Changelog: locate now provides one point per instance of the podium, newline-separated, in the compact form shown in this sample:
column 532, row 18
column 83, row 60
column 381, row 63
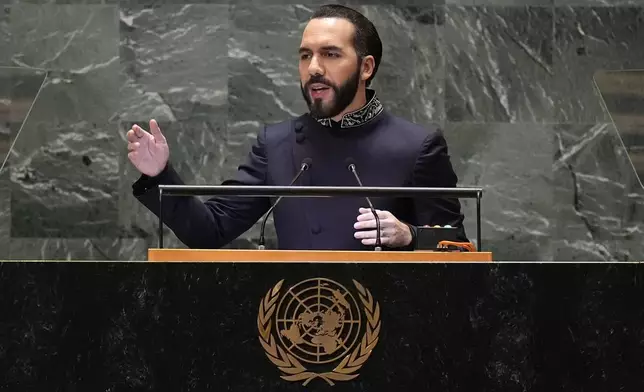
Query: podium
column 287, row 321
column 331, row 256
column 321, row 318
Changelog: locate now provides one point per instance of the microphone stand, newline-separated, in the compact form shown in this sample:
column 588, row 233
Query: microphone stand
column 352, row 169
column 306, row 164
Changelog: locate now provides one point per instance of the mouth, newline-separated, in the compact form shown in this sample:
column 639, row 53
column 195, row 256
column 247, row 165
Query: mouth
column 319, row 90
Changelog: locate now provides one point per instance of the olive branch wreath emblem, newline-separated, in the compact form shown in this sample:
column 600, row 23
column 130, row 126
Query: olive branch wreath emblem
column 291, row 368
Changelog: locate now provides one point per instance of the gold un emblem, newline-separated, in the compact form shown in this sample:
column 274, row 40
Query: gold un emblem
column 318, row 323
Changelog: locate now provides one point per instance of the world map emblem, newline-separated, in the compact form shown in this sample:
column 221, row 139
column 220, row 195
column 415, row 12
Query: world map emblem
column 318, row 328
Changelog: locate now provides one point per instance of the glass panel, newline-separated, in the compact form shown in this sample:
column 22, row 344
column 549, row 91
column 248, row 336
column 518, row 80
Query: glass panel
column 623, row 95
column 19, row 88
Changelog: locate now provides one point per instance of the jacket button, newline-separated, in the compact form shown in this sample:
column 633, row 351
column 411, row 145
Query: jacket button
column 316, row 229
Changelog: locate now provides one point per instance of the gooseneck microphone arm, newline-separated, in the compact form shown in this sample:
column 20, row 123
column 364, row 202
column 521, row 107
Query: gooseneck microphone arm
column 306, row 165
column 352, row 168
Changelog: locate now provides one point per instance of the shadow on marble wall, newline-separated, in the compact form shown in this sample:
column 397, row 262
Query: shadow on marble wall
column 510, row 82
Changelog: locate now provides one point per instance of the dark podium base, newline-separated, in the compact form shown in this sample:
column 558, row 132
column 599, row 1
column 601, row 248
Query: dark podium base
column 443, row 327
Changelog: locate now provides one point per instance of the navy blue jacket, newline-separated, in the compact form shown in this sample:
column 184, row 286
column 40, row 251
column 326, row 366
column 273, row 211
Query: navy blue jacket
column 387, row 151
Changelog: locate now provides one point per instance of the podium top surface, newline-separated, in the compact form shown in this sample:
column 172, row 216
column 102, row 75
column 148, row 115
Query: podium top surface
column 329, row 256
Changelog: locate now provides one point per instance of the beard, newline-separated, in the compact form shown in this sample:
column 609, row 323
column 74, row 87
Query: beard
column 343, row 95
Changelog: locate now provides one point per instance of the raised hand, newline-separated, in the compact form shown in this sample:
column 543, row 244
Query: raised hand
column 148, row 151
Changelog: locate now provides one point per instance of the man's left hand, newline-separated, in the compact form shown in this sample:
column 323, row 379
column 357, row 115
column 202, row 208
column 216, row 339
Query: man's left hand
column 393, row 233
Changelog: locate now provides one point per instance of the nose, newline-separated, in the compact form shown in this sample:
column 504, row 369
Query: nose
column 315, row 68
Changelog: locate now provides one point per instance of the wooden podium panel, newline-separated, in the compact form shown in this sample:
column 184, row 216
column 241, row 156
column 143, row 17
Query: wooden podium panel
column 236, row 255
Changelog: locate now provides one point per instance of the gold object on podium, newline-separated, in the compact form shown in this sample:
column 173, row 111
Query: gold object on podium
column 318, row 322
column 304, row 256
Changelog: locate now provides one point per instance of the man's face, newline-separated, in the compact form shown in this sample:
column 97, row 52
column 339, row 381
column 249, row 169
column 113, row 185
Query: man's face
column 330, row 70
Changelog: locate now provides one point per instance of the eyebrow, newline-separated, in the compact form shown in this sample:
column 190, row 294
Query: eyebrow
column 326, row 48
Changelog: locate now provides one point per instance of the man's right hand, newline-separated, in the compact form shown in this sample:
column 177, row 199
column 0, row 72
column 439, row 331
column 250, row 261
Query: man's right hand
column 148, row 152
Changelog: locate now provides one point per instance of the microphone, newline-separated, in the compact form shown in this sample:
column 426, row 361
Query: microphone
column 352, row 168
column 306, row 165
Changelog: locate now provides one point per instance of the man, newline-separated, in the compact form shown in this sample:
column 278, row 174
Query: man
column 340, row 53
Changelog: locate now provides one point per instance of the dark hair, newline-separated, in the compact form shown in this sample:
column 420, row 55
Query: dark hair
column 366, row 40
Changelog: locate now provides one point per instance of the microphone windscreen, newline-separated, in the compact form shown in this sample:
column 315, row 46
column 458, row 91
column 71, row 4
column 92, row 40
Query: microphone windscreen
column 307, row 161
column 349, row 161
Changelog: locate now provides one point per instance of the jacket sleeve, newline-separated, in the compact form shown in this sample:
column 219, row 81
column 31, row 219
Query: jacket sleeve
column 219, row 220
column 433, row 168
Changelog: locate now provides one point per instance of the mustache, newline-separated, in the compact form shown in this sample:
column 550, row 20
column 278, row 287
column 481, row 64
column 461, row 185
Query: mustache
column 318, row 79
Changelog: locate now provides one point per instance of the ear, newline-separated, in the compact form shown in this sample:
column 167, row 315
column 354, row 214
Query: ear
column 367, row 67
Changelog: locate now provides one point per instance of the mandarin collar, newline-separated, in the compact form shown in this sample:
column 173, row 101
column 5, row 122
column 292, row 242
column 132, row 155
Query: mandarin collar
column 359, row 117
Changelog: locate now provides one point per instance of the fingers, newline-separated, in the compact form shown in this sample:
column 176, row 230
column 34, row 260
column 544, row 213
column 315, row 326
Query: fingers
column 138, row 131
column 371, row 224
column 133, row 146
column 367, row 221
column 369, row 237
column 131, row 136
column 135, row 133
column 366, row 214
column 372, row 241
column 371, row 234
column 156, row 131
